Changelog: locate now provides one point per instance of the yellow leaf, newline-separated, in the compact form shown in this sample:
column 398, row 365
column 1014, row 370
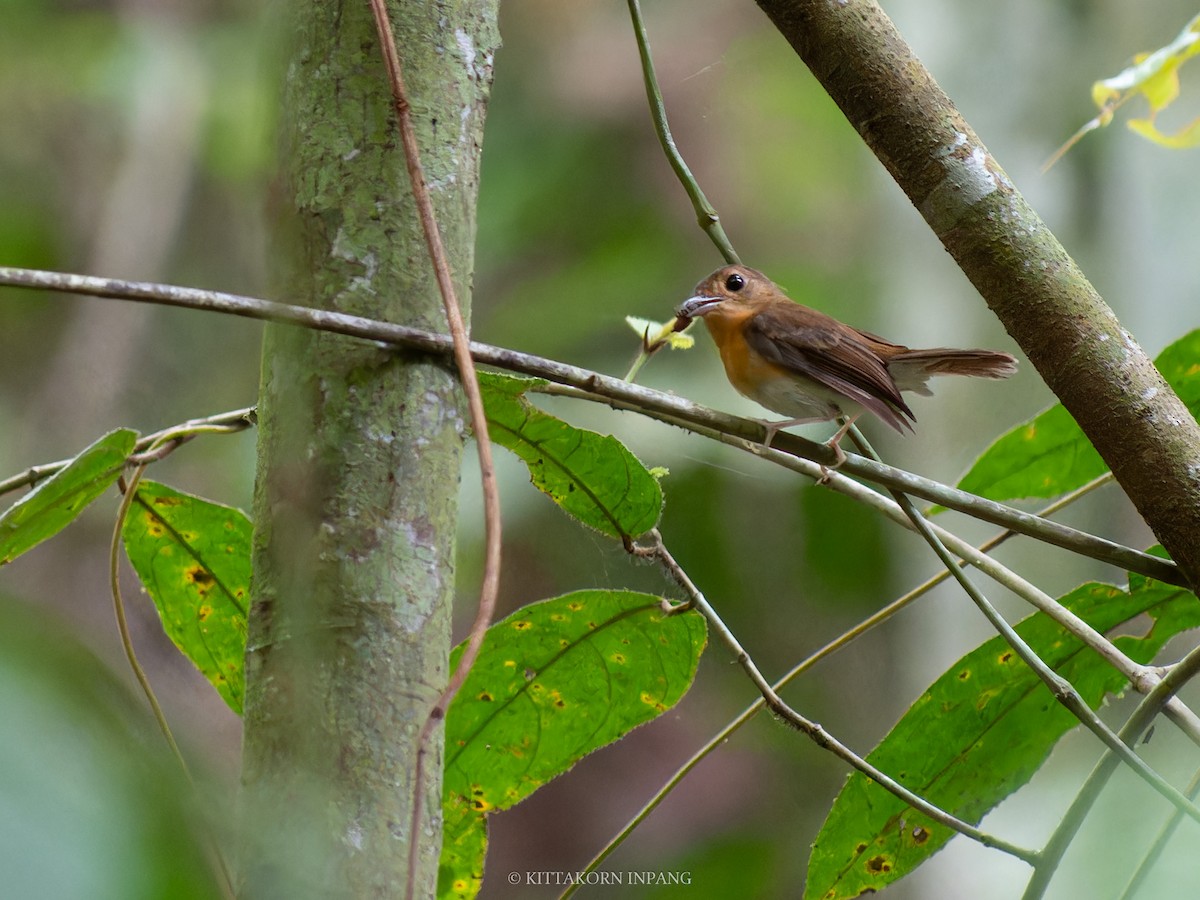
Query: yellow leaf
column 1188, row 136
column 1162, row 87
column 1154, row 76
column 654, row 333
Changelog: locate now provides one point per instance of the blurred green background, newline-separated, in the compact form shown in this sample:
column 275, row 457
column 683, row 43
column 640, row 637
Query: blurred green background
column 136, row 140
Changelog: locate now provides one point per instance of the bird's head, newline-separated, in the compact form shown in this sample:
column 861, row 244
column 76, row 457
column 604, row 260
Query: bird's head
column 731, row 291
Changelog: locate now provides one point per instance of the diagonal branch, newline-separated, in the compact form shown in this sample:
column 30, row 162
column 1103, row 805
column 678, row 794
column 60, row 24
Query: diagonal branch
column 1064, row 692
column 706, row 213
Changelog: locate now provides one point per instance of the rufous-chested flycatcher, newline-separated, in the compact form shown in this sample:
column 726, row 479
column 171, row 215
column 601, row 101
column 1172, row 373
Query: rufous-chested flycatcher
column 810, row 367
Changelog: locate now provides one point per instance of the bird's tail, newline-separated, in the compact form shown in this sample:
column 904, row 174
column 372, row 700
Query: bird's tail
column 913, row 368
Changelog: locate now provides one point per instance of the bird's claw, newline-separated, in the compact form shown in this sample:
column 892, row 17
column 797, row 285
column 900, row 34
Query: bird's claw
column 839, row 457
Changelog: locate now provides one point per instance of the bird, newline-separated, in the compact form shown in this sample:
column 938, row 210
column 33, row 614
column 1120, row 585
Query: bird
column 806, row 365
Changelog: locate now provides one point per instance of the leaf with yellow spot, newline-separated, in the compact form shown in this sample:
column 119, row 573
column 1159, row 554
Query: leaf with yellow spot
column 979, row 733
column 1049, row 455
column 542, row 696
column 193, row 556
column 55, row 503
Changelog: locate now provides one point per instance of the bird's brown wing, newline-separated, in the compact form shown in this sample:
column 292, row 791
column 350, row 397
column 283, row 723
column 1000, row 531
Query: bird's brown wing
column 832, row 354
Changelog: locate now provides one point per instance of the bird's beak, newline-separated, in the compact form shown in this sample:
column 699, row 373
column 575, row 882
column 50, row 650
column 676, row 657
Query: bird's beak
column 694, row 307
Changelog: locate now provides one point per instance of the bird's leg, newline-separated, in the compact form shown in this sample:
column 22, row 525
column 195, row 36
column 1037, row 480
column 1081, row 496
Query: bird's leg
column 774, row 427
column 835, row 444
column 771, row 429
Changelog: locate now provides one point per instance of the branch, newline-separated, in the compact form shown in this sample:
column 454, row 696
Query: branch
column 722, row 737
column 956, row 197
column 743, row 433
column 1142, row 677
column 1062, row 689
column 222, row 423
column 1104, row 379
column 615, row 392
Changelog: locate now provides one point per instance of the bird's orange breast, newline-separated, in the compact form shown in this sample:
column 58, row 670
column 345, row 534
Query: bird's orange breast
column 749, row 373
column 768, row 384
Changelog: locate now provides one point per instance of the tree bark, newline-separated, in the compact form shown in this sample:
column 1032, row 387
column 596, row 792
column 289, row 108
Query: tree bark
column 359, row 450
column 1140, row 427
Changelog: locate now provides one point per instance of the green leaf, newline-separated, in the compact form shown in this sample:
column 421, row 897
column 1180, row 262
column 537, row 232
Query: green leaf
column 1049, row 455
column 553, row 682
column 980, row 732
column 193, row 556
column 54, row 504
column 1180, row 366
column 559, row 679
column 1044, row 457
column 591, row 476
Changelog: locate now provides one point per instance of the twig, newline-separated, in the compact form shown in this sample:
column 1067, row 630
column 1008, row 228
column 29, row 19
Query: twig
column 1062, row 690
column 618, row 393
column 737, row 432
column 706, row 214
column 1142, row 677
column 222, row 423
column 114, row 580
column 129, row 492
column 466, row 367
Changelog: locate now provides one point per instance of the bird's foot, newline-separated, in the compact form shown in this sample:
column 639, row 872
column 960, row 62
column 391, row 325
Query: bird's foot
column 839, row 455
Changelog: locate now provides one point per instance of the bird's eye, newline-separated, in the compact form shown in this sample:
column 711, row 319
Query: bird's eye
column 735, row 282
